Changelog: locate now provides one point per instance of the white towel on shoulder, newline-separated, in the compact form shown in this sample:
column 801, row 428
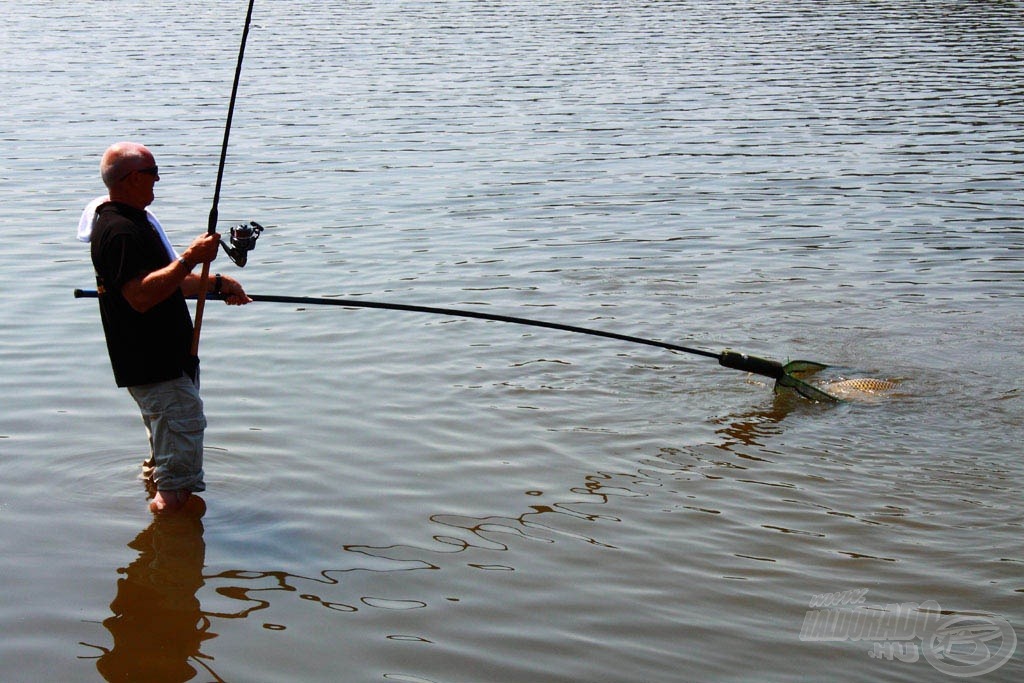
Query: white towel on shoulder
column 88, row 221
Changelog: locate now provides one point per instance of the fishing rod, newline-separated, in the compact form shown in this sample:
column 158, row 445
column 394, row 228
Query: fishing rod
column 246, row 234
column 790, row 374
column 243, row 240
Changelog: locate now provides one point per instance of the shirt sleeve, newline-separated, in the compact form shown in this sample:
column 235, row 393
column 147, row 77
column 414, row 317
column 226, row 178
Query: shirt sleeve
column 121, row 259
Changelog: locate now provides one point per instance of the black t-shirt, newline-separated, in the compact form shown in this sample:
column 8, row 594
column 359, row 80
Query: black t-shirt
column 144, row 347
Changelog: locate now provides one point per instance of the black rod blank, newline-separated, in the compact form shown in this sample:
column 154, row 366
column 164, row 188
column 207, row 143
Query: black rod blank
column 360, row 303
column 729, row 359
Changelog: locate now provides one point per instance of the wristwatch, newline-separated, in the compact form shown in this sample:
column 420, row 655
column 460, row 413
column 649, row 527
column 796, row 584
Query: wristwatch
column 184, row 261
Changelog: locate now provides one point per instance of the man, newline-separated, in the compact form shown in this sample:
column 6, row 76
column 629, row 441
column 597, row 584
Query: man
column 142, row 285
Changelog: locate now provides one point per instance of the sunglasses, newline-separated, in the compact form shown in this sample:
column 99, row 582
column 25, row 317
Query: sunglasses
column 152, row 170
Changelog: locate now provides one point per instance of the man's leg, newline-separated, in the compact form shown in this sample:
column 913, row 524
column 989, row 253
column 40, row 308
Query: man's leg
column 173, row 413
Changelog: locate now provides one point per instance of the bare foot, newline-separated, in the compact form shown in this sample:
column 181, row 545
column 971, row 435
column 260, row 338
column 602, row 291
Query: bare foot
column 168, row 501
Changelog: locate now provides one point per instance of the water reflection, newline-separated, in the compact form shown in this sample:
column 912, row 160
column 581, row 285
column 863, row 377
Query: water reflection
column 752, row 428
column 158, row 626
column 580, row 514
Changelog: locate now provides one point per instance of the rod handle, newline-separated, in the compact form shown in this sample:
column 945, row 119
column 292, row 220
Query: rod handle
column 760, row 366
column 197, row 326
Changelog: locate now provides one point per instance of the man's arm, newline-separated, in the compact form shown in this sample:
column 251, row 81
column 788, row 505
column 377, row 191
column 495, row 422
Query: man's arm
column 232, row 290
column 146, row 291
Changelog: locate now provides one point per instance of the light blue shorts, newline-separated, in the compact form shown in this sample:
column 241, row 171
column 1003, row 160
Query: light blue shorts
column 173, row 414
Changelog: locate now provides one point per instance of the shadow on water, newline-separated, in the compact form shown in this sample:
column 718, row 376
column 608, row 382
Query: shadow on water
column 158, row 626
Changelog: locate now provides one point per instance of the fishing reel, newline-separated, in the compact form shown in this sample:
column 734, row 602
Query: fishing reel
column 243, row 240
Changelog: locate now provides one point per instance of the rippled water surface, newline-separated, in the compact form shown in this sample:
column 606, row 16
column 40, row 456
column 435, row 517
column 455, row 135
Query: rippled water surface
column 406, row 497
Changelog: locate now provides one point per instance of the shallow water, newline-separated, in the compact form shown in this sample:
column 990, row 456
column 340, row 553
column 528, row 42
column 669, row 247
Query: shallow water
column 403, row 497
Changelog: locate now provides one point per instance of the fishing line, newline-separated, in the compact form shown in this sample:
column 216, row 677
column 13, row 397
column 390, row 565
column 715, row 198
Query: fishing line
column 211, row 225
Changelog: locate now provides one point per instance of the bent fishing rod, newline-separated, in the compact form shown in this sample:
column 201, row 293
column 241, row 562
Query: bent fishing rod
column 787, row 375
column 246, row 234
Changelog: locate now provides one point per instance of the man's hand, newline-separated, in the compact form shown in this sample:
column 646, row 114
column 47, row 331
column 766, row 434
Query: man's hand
column 203, row 249
column 233, row 293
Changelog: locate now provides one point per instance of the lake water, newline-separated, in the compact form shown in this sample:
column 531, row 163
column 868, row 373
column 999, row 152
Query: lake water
column 404, row 497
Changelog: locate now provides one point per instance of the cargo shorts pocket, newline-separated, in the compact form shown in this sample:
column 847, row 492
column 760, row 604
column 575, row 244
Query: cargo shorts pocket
column 187, row 447
column 187, row 425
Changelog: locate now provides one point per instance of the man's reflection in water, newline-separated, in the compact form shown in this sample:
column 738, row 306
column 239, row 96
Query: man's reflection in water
column 157, row 625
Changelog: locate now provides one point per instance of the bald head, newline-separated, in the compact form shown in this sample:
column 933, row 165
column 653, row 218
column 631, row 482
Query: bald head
column 120, row 159
column 129, row 171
